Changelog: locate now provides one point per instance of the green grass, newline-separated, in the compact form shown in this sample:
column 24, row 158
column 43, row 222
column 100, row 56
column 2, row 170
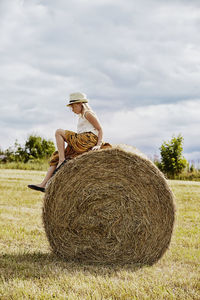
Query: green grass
column 28, row 270
column 195, row 175
column 37, row 165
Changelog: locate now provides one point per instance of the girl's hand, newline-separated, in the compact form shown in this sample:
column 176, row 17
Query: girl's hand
column 96, row 147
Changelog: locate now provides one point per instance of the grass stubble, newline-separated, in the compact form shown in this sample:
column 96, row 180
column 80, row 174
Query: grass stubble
column 28, row 270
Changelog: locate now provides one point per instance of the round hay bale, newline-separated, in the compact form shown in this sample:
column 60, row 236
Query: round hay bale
column 109, row 206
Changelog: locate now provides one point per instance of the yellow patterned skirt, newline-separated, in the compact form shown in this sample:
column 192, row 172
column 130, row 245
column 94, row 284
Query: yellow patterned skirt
column 77, row 143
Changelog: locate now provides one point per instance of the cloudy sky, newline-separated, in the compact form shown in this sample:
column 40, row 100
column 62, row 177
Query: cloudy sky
column 137, row 61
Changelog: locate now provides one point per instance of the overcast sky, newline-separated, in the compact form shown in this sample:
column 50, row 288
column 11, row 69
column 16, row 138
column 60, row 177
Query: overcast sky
column 137, row 61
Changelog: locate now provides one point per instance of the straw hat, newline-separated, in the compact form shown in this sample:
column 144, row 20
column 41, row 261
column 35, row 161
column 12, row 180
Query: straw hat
column 77, row 98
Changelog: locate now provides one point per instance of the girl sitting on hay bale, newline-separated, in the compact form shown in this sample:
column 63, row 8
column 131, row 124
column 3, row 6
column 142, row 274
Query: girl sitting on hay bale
column 89, row 136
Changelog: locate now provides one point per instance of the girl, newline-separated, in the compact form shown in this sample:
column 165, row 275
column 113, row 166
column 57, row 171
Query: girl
column 89, row 136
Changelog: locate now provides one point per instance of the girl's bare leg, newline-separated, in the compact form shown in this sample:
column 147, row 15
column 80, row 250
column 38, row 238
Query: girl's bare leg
column 47, row 177
column 60, row 142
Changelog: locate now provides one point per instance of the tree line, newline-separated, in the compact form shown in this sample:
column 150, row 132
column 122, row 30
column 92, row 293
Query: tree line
column 36, row 148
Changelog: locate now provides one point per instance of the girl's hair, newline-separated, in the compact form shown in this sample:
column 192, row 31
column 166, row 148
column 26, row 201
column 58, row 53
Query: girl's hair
column 86, row 107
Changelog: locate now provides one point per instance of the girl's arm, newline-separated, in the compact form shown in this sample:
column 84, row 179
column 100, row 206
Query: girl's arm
column 91, row 118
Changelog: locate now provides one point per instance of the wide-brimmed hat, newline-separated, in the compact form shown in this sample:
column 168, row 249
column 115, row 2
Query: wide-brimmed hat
column 77, row 98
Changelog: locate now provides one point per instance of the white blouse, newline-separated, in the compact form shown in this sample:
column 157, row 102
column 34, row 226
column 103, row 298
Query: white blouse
column 85, row 126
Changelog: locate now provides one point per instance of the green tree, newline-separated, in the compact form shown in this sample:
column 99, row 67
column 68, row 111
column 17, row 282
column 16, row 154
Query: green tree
column 47, row 147
column 172, row 161
column 14, row 153
column 35, row 148
column 38, row 148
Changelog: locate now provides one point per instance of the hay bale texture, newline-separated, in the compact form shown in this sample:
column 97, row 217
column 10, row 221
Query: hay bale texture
column 109, row 206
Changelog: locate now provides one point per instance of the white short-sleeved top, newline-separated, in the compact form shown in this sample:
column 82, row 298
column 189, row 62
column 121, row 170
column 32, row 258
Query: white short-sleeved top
column 85, row 126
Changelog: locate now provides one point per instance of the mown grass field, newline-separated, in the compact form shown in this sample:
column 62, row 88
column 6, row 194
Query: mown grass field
column 29, row 271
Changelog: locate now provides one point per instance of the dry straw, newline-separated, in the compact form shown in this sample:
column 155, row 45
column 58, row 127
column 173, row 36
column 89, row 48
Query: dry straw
column 109, row 206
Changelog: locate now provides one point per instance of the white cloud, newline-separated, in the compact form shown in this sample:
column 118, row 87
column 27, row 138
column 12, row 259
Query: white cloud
column 135, row 59
column 148, row 127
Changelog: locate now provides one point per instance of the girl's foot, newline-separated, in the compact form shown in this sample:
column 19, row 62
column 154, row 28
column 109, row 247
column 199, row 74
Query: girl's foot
column 36, row 187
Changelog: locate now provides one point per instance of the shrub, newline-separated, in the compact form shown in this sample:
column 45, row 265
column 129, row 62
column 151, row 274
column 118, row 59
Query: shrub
column 172, row 161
